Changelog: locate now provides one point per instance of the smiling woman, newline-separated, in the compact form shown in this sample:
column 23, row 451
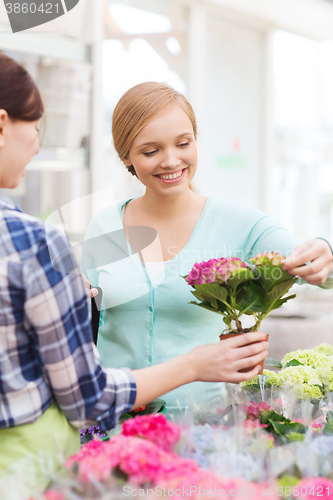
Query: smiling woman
column 154, row 131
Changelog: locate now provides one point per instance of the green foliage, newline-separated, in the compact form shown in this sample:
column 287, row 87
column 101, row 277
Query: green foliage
column 271, row 275
column 156, row 406
column 281, row 427
column 287, row 480
column 252, row 292
column 293, row 362
column 273, row 363
column 253, row 299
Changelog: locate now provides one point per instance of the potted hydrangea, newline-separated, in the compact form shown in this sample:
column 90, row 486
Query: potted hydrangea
column 233, row 288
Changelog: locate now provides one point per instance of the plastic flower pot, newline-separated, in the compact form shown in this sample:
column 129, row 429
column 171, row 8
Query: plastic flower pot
column 225, row 336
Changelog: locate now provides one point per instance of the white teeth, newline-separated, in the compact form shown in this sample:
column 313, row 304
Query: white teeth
column 171, row 176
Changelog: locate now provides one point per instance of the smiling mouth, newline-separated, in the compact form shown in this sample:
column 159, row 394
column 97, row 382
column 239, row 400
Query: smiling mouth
column 171, row 176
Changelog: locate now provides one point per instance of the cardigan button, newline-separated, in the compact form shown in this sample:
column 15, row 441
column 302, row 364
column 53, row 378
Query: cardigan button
column 150, row 359
column 151, row 309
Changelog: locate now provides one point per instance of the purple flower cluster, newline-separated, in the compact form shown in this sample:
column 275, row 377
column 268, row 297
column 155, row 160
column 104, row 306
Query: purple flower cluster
column 214, row 270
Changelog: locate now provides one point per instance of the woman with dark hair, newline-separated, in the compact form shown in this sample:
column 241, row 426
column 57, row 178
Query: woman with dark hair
column 51, row 379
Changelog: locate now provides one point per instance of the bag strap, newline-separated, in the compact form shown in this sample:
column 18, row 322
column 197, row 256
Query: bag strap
column 96, row 303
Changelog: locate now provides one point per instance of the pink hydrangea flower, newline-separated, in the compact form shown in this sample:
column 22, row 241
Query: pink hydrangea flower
column 319, row 423
column 141, row 460
column 262, row 259
column 315, row 487
column 154, row 427
column 54, row 495
column 214, row 270
column 255, row 410
column 205, row 483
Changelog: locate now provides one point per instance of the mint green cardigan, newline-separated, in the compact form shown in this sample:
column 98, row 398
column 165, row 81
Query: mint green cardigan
column 145, row 323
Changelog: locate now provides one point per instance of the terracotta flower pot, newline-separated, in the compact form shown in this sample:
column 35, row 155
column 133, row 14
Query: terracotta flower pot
column 229, row 335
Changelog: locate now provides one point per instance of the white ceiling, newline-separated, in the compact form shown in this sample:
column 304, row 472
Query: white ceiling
column 311, row 18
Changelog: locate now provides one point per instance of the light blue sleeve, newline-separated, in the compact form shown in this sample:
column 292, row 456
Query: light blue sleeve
column 264, row 234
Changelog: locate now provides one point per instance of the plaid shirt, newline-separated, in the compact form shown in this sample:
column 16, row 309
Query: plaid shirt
column 46, row 348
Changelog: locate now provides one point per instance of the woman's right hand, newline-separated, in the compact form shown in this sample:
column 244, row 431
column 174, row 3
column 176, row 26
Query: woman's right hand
column 222, row 361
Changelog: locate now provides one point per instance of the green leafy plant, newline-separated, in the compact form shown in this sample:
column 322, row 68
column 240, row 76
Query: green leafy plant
column 232, row 288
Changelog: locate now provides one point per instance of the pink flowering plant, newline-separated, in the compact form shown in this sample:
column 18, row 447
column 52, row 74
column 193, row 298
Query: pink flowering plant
column 232, row 288
column 156, row 428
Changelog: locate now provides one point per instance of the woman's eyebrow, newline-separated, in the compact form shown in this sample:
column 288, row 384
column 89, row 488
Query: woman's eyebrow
column 154, row 143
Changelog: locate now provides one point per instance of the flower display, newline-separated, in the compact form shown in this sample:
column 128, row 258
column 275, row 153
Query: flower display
column 298, row 375
column 54, row 495
column 308, row 357
column 208, row 482
column 310, row 488
column 226, row 459
column 255, row 410
column 229, row 457
column 156, row 428
column 139, row 459
column 232, row 288
column 308, row 371
column 272, row 379
column 324, row 349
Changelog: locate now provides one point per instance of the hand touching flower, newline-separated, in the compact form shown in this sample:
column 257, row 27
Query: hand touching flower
column 318, row 254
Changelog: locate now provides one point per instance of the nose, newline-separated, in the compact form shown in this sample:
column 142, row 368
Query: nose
column 171, row 159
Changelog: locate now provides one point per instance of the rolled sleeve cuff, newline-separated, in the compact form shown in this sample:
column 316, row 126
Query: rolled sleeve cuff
column 123, row 386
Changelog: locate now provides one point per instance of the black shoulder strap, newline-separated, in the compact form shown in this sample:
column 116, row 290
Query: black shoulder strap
column 96, row 303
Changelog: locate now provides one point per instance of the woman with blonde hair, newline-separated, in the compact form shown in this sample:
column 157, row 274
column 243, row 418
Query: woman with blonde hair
column 147, row 318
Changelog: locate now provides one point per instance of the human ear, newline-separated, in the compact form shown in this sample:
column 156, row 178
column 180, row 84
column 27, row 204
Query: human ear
column 3, row 123
column 127, row 161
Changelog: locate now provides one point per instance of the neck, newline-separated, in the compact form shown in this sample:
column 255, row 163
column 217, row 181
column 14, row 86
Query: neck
column 167, row 207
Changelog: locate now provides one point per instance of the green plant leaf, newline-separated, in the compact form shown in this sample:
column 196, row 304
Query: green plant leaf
column 275, row 363
column 227, row 321
column 268, row 416
column 270, row 276
column 279, row 302
column 253, row 299
column 210, row 292
column 284, row 428
column 198, row 295
column 293, row 362
column 206, row 305
column 241, row 277
column 278, row 291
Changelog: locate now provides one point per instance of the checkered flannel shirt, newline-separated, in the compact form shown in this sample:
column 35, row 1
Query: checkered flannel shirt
column 46, row 348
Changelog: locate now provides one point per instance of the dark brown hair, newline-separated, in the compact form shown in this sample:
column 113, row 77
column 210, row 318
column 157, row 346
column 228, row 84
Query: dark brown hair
column 19, row 95
column 137, row 107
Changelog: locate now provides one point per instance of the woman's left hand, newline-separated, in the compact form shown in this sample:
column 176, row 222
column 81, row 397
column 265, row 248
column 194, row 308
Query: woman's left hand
column 92, row 291
column 318, row 253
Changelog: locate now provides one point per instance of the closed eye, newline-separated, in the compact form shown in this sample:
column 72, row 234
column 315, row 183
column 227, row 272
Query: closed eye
column 150, row 153
column 183, row 144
